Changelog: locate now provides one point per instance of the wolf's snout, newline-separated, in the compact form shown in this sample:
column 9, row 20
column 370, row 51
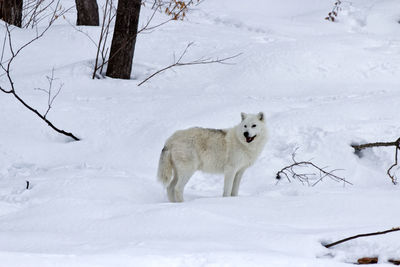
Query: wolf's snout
column 249, row 138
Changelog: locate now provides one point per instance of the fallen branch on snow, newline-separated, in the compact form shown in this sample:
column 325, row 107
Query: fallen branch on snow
column 394, row 229
column 304, row 178
column 396, row 144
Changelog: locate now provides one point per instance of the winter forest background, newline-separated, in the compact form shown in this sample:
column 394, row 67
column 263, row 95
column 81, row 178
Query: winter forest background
column 90, row 90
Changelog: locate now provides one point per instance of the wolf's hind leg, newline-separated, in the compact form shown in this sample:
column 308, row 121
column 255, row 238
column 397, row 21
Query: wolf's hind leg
column 171, row 188
column 184, row 177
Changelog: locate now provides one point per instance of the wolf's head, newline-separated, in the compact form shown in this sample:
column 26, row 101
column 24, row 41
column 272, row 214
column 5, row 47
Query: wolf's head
column 252, row 128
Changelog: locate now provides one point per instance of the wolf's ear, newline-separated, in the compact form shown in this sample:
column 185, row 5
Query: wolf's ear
column 260, row 116
column 244, row 115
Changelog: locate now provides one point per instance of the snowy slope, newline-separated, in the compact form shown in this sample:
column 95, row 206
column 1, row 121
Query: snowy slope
column 97, row 202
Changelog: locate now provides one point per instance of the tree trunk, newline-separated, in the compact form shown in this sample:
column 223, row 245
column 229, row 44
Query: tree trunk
column 11, row 11
column 88, row 13
column 124, row 39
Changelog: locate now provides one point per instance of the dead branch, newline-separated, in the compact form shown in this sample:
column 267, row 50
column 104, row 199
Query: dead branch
column 392, row 176
column 290, row 172
column 394, row 229
column 200, row 61
column 146, row 26
column 396, row 144
column 78, row 29
column 40, row 115
column 6, row 67
column 50, row 95
column 367, row 145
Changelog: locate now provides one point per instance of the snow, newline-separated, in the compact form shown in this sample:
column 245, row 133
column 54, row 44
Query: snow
column 97, row 202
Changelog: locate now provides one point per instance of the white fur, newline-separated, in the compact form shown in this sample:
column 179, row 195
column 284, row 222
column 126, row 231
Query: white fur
column 213, row 151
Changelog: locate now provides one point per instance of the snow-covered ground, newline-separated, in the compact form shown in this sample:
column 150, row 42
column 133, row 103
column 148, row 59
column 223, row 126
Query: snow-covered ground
column 97, row 202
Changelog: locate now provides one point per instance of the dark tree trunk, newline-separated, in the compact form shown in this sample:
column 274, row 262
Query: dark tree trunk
column 88, row 12
column 124, row 39
column 11, row 11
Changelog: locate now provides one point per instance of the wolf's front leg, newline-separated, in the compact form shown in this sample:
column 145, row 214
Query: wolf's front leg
column 236, row 182
column 228, row 182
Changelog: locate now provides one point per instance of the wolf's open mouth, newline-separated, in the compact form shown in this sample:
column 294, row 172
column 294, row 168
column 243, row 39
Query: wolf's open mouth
column 250, row 139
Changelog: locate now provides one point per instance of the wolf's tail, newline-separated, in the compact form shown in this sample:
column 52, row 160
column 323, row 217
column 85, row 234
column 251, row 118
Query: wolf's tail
column 165, row 166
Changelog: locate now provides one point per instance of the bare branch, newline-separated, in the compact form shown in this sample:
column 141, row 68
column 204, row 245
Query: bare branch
column 7, row 71
column 81, row 31
column 290, row 172
column 392, row 176
column 50, row 96
column 146, row 26
column 104, row 50
column 394, row 229
column 367, row 145
column 201, row 61
column 44, row 118
column 396, row 144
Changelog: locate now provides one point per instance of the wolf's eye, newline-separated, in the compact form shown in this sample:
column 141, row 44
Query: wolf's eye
column 253, row 126
column 245, row 126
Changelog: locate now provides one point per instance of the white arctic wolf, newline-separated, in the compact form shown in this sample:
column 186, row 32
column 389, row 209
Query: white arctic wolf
column 229, row 151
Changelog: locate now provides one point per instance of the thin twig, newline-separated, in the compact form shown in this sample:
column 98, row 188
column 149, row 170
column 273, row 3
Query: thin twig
column 50, row 96
column 81, row 31
column 102, row 32
column 201, row 61
column 33, row 10
column 104, row 49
